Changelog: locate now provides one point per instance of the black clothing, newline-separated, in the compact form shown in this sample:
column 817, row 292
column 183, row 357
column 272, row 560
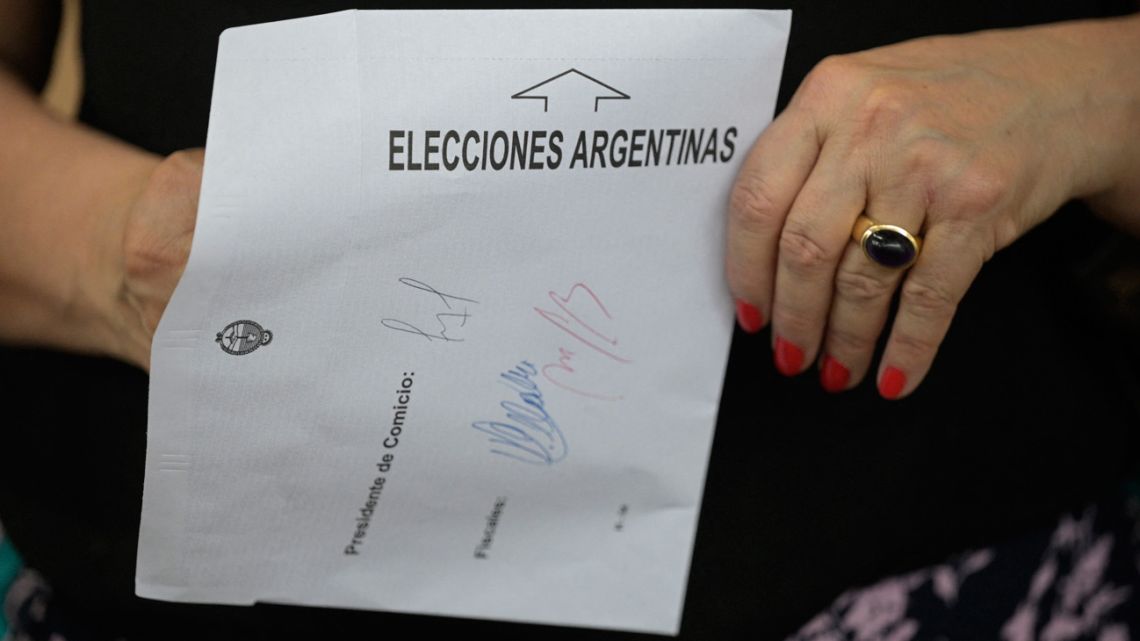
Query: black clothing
column 1025, row 413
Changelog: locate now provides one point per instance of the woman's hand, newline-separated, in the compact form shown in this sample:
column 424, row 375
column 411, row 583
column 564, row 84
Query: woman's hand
column 967, row 141
column 94, row 232
column 156, row 243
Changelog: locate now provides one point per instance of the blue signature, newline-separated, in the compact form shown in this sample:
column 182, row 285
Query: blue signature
column 528, row 434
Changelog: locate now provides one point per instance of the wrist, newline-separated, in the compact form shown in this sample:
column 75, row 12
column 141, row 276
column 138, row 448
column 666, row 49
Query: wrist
column 1119, row 199
column 1103, row 81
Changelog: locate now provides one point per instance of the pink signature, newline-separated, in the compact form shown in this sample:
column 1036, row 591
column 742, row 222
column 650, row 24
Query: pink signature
column 562, row 372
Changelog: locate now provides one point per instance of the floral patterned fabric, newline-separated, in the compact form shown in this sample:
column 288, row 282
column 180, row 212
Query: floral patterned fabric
column 1078, row 581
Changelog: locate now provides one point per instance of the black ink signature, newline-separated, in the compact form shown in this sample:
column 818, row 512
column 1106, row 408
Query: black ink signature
column 448, row 320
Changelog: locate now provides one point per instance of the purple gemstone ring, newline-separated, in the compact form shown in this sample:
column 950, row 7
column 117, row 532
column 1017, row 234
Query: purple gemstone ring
column 888, row 245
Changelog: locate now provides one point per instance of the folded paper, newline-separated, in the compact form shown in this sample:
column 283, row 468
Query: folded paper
column 453, row 330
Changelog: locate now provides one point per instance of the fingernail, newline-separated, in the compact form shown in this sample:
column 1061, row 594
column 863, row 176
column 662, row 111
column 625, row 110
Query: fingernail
column 892, row 382
column 789, row 357
column 833, row 376
column 750, row 318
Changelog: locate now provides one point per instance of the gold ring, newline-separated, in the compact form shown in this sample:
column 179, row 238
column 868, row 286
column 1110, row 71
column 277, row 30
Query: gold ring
column 888, row 245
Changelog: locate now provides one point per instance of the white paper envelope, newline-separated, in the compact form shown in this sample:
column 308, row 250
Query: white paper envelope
column 453, row 330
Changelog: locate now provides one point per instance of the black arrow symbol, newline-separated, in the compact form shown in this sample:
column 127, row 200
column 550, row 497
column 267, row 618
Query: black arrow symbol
column 525, row 94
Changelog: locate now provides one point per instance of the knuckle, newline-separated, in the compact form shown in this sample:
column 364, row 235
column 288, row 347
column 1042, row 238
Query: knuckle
column 914, row 344
column 753, row 205
column 843, row 341
column 167, row 173
column 927, row 155
column 886, row 109
column 801, row 252
column 176, row 173
column 861, row 288
column 927, row 300
column 829, row 77
column 795, row 321
column 180, row 162
column 182, row 156
column 980, row 190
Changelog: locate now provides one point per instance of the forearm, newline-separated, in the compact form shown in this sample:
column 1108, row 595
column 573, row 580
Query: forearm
column 1111, row 117
column 64, row 195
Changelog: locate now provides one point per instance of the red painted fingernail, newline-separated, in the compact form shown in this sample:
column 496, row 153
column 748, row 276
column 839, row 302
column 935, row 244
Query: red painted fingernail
column 750, row 318
column 892, row 382
column 833, row 376
column 789, row 357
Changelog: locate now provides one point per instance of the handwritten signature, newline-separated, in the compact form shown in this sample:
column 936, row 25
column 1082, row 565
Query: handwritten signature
column 528, row 433
column 447, row 321
column 574, row 323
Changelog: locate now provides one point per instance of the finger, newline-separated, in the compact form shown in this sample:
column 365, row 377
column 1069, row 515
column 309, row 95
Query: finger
column 813, row 239
column 931, row 291
column 863, row 291
column 765, row 189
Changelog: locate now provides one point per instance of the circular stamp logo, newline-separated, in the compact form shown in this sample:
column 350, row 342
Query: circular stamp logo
column 242, row 337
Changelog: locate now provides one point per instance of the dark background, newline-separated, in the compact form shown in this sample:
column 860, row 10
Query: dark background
column 1031, row 408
